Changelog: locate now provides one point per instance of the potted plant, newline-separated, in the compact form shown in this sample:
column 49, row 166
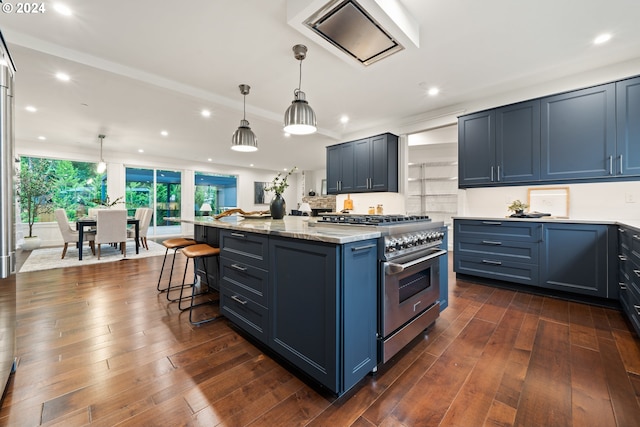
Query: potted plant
column 32, row 190
column 517, row 207
column 278, row 206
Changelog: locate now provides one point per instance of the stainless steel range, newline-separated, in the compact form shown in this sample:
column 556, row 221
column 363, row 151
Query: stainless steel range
column 409, row 275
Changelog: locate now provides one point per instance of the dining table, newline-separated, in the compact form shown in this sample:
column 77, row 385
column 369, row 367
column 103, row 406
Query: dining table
column 88, row 221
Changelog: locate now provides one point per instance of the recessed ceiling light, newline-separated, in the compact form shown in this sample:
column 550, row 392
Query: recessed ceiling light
column 140, row 150
column 602, row 38
column 251, row 164
column 205, row 113
column 42, row 138
column 31, row 108
column 344, row 119
column 62, row 9
column 209, row 159
column 164, row 133
column 63, row 76
column 433, row 91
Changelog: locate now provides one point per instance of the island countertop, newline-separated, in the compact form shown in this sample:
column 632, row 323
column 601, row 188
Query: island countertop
column 295, row 227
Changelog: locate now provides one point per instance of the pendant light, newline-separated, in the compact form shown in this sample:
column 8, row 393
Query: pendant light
column 299, row 119
column 243, row 138
column 102, row 166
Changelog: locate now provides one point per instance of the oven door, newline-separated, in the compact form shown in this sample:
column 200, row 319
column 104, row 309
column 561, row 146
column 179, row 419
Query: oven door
column 408, row 287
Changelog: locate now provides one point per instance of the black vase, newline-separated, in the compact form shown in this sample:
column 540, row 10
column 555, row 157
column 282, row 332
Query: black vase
column 278, row 207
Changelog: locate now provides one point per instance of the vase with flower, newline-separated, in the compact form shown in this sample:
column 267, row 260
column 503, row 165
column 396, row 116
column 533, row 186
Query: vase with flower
column 278, row 206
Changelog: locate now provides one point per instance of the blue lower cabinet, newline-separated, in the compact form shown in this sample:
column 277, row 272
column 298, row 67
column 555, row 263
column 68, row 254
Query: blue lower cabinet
column 322, row 311
column 579, row 258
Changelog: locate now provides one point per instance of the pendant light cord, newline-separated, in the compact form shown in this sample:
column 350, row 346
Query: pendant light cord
column 299, row 80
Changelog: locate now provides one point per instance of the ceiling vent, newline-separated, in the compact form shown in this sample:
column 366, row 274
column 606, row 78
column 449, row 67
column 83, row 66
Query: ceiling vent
column 365, row 30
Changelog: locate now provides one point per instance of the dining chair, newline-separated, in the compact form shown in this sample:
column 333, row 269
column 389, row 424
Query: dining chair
column 111, row 227
column 69, row 235
column 144, row 216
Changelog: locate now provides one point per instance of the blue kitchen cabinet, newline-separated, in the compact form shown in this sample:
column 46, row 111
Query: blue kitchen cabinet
column 579, row 134
column 340, row 171
column 502, row 250
column 629, row 274
column 370, row 163
column 476, row 149
column 627, row 161
column 579, row 258
column 323, row 308
column 500, row 145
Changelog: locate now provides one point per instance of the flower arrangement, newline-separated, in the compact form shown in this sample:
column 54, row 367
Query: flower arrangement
column 107, row 202
column 279, row 183
column 517, row 206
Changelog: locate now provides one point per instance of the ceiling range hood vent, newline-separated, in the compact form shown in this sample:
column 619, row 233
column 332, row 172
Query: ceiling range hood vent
column 365, row 30
column 351, row 29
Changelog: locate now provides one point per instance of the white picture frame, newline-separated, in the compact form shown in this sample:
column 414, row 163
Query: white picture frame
column 550, row 200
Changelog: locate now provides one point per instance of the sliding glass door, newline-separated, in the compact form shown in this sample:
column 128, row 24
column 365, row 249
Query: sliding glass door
column 160, row 190
column 214, row 193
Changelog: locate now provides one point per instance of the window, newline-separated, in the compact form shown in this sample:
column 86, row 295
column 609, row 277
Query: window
column 219, row 191
column 72, row 186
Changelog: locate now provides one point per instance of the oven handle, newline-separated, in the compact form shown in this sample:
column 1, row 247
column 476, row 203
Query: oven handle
column 393, row 268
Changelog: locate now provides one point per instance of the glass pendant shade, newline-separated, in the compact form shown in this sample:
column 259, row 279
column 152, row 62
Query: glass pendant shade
column 300, row 119
column 102, row 166
column 243, row 138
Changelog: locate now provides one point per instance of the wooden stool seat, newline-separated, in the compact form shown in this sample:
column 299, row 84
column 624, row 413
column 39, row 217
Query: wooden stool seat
column 200, row 250
column 178, row 242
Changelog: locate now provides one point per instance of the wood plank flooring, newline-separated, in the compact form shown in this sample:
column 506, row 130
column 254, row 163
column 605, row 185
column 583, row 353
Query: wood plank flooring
column 97, row 345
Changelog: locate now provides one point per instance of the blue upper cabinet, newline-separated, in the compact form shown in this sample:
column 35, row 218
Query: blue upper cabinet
column 579, row 134
column 476, row 149
column 500, row 145
column 370, row 163
column 627, row 162
column 518, row 142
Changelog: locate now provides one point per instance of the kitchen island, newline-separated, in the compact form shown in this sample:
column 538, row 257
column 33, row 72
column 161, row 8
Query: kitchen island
column 308, row 293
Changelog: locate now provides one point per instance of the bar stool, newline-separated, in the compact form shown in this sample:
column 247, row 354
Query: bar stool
column 195, row 252
column 175, row 244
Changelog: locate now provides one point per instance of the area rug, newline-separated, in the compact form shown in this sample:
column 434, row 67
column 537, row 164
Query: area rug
column 48, row 258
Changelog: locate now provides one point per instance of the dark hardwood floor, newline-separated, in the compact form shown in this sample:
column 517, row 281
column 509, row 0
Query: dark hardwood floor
column 98, row 345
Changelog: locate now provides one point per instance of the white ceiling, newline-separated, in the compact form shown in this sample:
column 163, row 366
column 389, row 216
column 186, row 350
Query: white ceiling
column 138, row 67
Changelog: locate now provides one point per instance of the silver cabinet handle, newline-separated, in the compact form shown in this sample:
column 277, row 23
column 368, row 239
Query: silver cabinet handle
column 622, row 257
column 623, row 286
column 498, row 176
column 492, row 222
column 635, row 236
column 238, row 267
column 491, row 262
column 237, row 234
column 489, row 242
column 621, row 169
column 637, row 307
column 238, row 300
column 610, row 165
column 362, row 248
column 637, row 272
column 491, row 173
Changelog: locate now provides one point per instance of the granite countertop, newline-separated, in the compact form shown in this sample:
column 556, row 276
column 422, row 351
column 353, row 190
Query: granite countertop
column 290, row 226
column 628, row 223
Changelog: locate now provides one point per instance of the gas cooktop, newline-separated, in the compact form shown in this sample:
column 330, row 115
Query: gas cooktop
column 372, row 219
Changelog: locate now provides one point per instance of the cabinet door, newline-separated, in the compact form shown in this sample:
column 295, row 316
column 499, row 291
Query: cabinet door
column 518, row 142
column 340, row 170
column 303, row 312
column 384, row 163
column 362, row 164
column 578, row 134
column 476, row 149
column 627, row 162
column 576, row 258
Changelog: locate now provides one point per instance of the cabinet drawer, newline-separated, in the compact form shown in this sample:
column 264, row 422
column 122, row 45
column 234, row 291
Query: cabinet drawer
column 494, row 268
column 245, row 279
column 505, row 230
column 631, row 306
column 247, row 314
column 506, row 250
column 249, row 248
